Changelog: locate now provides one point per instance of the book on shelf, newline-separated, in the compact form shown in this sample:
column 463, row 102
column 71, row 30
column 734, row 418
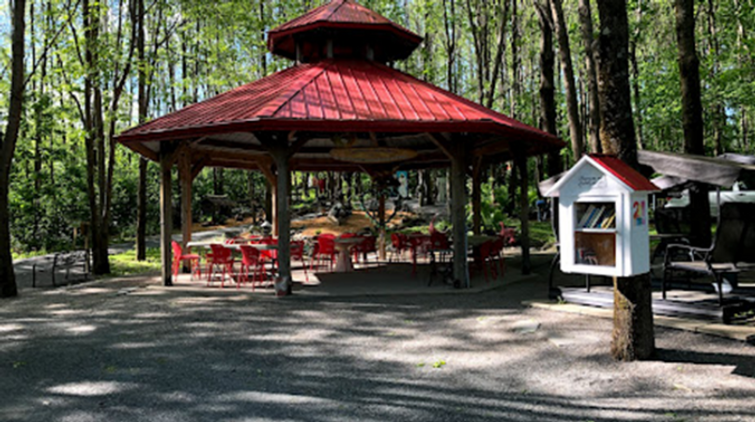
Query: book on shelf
column 587, row 256
column 608, row 223
column 593, row 223
column 586, row 216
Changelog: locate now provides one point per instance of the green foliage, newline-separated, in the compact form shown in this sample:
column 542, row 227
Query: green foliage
column 205, row 48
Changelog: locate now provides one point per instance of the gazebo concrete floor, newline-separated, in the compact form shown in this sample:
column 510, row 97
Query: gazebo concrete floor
column 374, row 279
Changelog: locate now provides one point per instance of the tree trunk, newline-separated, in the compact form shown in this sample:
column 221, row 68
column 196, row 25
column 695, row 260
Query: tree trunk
column 588, row 38
column 715, row 51
column 141, row 194
column 8, row 148
column 520, row 163
column 633, row 336
column 547, row 90
column 514, row 59
column 564, row 52
column 692, row 114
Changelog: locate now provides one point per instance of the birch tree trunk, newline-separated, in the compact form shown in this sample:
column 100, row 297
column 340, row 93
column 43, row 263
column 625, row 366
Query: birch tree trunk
column 564, row 52
column 588, row 38
column 547, row 90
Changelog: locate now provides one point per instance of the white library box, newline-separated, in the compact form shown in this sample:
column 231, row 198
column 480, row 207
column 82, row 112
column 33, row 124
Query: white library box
column 603, row 218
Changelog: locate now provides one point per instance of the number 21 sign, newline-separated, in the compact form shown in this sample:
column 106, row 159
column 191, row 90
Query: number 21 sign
column 639, row 213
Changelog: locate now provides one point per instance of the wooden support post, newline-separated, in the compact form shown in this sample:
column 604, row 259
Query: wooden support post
column 166, row 218
column 282, row 217
column 267, row 169
column 458, row 215
column 477, row 171
column 520, row 160
column 381, row 221
column 275, row 208
column 281, row 151
column 184, row 174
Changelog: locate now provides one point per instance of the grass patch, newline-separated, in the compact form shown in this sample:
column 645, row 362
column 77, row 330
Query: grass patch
column 30, row 254
column 125, row 263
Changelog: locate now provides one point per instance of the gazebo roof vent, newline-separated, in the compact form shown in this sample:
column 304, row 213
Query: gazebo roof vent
column 342, row 29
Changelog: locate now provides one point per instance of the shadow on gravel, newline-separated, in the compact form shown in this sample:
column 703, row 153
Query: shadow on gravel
column 743, row 365
column 106, row 355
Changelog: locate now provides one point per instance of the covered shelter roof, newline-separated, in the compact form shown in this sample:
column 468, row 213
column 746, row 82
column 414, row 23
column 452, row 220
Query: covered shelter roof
column 720, row 171
column 359, row 99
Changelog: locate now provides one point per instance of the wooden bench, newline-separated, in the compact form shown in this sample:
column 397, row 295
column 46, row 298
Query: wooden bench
column 732, row 251
column 65, row 262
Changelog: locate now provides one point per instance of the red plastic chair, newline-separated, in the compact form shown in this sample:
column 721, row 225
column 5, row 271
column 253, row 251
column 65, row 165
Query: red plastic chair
column 484, row 259
column 368, row 246
column 325, row 247
column 179, row 257
column 418, row 245
column 439, row 244
column 508, row 235
column 439, row 240
column 269, row 254
column 221, row 257
column 297, row 252
column 400, row 244
column 251, row 260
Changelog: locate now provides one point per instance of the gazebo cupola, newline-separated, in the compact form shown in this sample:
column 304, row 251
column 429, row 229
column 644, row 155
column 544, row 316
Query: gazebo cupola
column 342, row 29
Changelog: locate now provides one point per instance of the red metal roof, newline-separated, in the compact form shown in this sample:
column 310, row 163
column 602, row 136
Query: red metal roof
column 623, row 172
column 336, row 96
column 393, row 40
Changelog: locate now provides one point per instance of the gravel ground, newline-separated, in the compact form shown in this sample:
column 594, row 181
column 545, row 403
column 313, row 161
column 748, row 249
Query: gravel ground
column 127, row 350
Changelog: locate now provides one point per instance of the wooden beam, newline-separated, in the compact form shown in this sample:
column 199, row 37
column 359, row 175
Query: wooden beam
column 218, row 152
column 443, row 144
column 296, row 145
column 491, row 147
column 166, row 218
column 266, row 168
column 198, row 166
column 143, row 150
column 198, row 141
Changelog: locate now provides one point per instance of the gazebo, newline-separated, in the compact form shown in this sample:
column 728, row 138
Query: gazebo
column 340, row 107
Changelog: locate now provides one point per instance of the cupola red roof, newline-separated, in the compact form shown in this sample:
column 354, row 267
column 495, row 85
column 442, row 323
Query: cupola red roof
column 342, row 28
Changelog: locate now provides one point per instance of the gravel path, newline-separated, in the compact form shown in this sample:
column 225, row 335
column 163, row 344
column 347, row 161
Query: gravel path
column 129, row 350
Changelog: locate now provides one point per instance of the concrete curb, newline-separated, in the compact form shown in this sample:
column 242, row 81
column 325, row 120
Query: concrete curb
column 734, row 332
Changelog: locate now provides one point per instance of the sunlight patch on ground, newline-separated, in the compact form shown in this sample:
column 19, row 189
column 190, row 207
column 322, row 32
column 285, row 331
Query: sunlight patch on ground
column 7, row 328
column 268, row 398
column 82, row 329
column 91, row 388
column 132, row 345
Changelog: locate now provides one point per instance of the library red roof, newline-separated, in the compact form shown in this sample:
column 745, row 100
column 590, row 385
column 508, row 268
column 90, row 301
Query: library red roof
column 631, row 177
